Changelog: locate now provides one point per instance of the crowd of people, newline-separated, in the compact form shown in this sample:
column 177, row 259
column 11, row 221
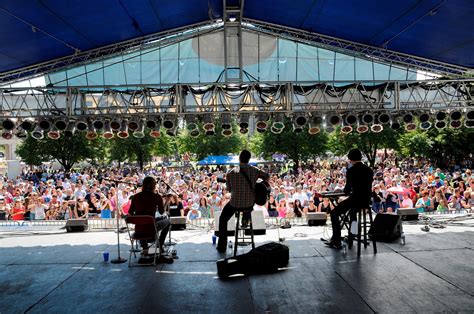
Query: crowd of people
column 196, row 193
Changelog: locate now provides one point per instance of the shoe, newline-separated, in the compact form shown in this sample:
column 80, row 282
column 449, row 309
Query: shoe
column 145, row 260
column 334, row 245
column 165, row 260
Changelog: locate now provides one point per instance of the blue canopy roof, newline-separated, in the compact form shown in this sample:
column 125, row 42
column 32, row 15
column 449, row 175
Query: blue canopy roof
column 224, row 160
column 33, row 32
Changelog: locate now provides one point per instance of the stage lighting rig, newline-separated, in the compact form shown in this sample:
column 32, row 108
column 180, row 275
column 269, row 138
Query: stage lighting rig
column 27, row 124
column 123, row 131
column 278, row 122
column 208, row 123
column 70, row 130
column 262, row 121
column 300, row 120
column 37, row 133
column 54, row 133
column 9, row 124
column 140, row 131
column 170, row 121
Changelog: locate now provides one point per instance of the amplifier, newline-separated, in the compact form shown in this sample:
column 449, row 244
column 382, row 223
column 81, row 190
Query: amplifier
column 316, row 219
column 178, row 223
column 258, row 223
column 76, row 225
column 408, row 213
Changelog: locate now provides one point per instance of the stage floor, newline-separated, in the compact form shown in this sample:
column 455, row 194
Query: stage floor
column 55, row 272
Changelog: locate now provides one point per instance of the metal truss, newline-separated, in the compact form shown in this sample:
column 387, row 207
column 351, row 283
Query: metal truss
column 352, row 48
column 155, row 40
column 183, row 99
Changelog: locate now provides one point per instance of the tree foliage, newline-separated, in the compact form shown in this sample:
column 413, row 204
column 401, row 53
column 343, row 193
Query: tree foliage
column 297, row 146
column 368, row 143
column 67, row 151
column 217, row 144
column 132, row 149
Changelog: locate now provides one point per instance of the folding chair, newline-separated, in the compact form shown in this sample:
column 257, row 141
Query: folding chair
column 145, row 229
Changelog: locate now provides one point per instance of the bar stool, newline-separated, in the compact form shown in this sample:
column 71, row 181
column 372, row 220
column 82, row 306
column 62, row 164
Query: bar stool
column 362, row 231
column 242, row 239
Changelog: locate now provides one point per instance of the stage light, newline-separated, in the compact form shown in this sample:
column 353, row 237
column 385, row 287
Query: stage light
column 278, row 122
column 227, row 132
column 208, row 123
column 346, row 127
column 361, row 126
column 98, row 124
column 314, row 129
column 54, row 133
column 133, row 124
column 408, row 118
column 441, row 124
column 261, row 130
column 334, row 120
column 155, row 133
column 244, row 120
column 243, row 130
column 173, row 131
column 376, row 128
column 7, row 134
column 27, row 124
column 169, row 121
column 470, row 114
column 108, row 133
column 410, row 126
column 9, row 124
column 44, row 124
column 191, row 122
column 140, row 131
column 123, row 131
column 70, row 130
column 469, row 124
column 456, row 115
column 441, row 115
column 275, row 130
column 151, row 122
column 297, row 129
column 37, row 133
column 226, row 122
column 91, row 132
column 395, row 124
column 81, row 125
column 21, row 133
column 368, row 118
column 424, row 117
column 330, row 129
column 115, row 125
column 300, row 120
column 60, row 124
column 350, row 119
column 195, row 133
column 455, row 124
column 384, row 118
column 262, row 121
column 210, row 132
column 426, row 125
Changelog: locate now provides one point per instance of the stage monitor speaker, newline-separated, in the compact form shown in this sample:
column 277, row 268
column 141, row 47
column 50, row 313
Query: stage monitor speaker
column 178, row 223
column 386, row 227
column 258, row 223
column 230, row 224
column 408, row 213
column 76, row 225
column 316, row 219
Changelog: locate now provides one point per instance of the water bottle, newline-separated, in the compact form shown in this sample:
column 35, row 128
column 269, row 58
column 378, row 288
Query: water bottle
column 344, row 248
column 402, row 239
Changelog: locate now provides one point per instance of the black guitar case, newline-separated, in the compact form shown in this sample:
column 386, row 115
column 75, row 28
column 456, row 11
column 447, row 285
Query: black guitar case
column 264, row 259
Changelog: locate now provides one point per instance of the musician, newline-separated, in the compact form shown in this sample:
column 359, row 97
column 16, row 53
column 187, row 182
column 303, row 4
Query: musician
column 147, row 202
column 242, row 194
column 358, row 186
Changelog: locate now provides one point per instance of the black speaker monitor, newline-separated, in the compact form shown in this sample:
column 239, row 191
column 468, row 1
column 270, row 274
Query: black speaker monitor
column 76, row 225
column 386, row 227
column 316, row 219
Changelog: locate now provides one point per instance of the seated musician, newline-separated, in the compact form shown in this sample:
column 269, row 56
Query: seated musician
column 358, row 186
column 147, row 202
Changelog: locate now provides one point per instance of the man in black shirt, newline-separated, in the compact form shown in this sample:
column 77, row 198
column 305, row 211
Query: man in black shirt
column 358, row 186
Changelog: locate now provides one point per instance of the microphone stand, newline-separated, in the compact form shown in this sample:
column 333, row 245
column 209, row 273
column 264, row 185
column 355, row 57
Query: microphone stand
column 119, row 259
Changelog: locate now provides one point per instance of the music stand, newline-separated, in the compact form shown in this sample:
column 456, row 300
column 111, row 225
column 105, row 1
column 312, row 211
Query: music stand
column 119, row 259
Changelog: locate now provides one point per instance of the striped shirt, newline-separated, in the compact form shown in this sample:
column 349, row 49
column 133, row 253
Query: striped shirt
column 242, row 195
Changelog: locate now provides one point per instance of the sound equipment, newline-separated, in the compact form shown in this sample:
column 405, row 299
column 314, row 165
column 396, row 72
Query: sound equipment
column 316, row 219
column 76, row 225
column 386, row 227
column 178, row 223
column 258, row 223
column 230, row 224
column 263, row 259
column 408, row 213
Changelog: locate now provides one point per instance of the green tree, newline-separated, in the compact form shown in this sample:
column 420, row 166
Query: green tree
column 297, row 146
column 204, row 145
column 418, row 143
column 132, row 149
column 368, row 143
column 67, row 151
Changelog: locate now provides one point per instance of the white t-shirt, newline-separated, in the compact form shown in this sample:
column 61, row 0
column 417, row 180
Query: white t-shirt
column 39, row 212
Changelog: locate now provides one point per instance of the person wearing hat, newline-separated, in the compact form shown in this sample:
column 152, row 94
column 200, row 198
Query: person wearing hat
column 358, row 186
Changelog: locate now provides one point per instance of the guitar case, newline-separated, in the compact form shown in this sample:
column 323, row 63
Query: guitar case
column 264, row 259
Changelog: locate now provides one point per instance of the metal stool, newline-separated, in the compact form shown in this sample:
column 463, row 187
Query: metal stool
column 243, row 239
column 362, row 233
